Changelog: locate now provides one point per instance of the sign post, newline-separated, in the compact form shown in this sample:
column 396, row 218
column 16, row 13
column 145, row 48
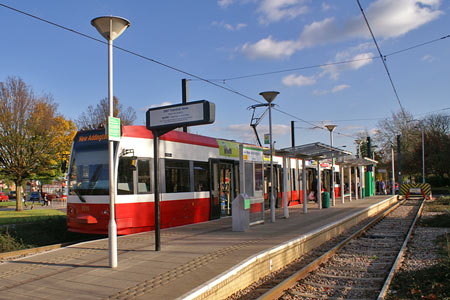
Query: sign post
column 161, row 120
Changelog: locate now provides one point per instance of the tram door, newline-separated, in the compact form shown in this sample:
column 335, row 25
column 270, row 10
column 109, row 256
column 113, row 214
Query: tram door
column 224, row 187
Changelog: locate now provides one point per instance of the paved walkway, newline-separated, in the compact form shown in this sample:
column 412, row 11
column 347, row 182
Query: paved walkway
column 191, row 255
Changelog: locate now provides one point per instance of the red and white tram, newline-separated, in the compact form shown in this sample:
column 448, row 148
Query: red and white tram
column 199, row 177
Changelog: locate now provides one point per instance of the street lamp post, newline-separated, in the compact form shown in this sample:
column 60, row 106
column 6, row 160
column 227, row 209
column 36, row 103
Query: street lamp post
column 423, row 158
column 423, row 149
column 110, row 28
column 269, row 97
column 330, row 129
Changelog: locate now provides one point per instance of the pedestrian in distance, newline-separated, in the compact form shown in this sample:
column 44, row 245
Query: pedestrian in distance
column 314, row 188
column 383, row 188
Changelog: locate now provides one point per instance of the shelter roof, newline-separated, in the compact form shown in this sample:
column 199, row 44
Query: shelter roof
column 313, row 151
column 356, row 161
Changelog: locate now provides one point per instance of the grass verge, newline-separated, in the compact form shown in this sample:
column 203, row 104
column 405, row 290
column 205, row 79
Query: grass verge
column 27, row 216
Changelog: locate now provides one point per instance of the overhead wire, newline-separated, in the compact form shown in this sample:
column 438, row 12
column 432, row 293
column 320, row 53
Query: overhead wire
column 151, row 60
column 229, row 88
column 383, row 59
column 223, row 80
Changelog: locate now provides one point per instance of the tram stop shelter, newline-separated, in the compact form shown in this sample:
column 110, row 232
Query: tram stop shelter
column 367, row 184
column 313, row 151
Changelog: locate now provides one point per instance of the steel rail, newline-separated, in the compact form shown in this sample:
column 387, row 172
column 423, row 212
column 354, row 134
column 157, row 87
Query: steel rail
column 278, row 290
column 396, row 264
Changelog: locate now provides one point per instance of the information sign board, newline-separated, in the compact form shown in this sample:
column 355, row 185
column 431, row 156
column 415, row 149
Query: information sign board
column 178, row 115
column 113, row 129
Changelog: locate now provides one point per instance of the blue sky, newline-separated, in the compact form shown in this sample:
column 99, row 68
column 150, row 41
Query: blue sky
column 224, row 39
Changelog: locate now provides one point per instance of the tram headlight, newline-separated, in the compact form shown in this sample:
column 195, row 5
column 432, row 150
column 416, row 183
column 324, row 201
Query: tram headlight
column 71, row 210
column 105, row 212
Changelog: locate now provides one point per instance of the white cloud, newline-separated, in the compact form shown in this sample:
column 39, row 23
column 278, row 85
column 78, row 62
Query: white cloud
column 320, row 92
column 358, row 60
column 388, row 19
column 339, row 88
column 325, row 6
column 335, row 89
column 225, row 3
column 270, row 48
column 428, row 58
column 229, row 27
column 394, row 18
column 161, row 104
column 245, row 133
column 300, row 80
column 277, row 10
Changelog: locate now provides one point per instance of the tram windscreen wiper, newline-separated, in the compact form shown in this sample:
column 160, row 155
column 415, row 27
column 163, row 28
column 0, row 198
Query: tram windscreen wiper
column 79, row 195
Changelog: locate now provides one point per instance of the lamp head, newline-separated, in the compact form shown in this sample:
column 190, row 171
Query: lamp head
column 110, row 27
column 269, row 96
column 330, row 127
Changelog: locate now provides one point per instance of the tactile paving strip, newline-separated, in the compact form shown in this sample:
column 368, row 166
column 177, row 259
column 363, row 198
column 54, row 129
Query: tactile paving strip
column 165, row 278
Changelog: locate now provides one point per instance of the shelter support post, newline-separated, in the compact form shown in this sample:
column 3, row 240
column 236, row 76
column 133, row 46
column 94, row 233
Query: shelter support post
column 342, row 189
column 319, row 186
column 356, row 183
column 350, row 182
column 285, row 200
column 305, row 197
column 362, row 182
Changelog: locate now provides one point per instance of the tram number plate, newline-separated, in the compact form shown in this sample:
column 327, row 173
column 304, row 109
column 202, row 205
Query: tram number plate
column 415, row 190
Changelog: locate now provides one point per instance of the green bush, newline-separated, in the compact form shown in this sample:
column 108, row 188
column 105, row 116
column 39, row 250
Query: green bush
column 438, row 181
column 9, row 243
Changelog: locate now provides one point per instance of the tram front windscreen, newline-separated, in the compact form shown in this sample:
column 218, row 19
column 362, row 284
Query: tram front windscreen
column 89, row 164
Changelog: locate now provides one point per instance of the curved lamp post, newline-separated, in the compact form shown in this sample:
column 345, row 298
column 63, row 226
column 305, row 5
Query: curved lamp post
column 330, row 129
column 269, row 97
column 111, row 28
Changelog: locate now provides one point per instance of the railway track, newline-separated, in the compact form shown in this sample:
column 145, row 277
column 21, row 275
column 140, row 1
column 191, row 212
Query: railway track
column 360, row 267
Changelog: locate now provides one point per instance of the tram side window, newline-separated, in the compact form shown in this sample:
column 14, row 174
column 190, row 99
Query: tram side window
column 201, row 176
column 177, row 176
column 143, row 168
column 125, row 177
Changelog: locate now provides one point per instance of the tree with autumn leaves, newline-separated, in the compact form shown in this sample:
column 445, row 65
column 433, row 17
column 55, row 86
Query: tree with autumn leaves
column 34, row 138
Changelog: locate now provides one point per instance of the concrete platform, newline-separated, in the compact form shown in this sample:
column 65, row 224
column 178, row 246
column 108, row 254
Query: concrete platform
column 191, row 256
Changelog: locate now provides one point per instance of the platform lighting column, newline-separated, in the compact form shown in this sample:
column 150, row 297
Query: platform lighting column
column 393, row 173
column 305, row 196
column 330, row 129
column 356, row 182
column 269, row 96
column 110, row 28
column 423, row 156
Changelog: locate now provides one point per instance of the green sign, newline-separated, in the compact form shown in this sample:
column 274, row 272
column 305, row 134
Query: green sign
column 113, row 129
column 266, row 138
column 228, row 149
column 247, row 204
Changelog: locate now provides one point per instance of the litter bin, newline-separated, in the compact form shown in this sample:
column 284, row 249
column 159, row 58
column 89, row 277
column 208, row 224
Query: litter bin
column 325, row 200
